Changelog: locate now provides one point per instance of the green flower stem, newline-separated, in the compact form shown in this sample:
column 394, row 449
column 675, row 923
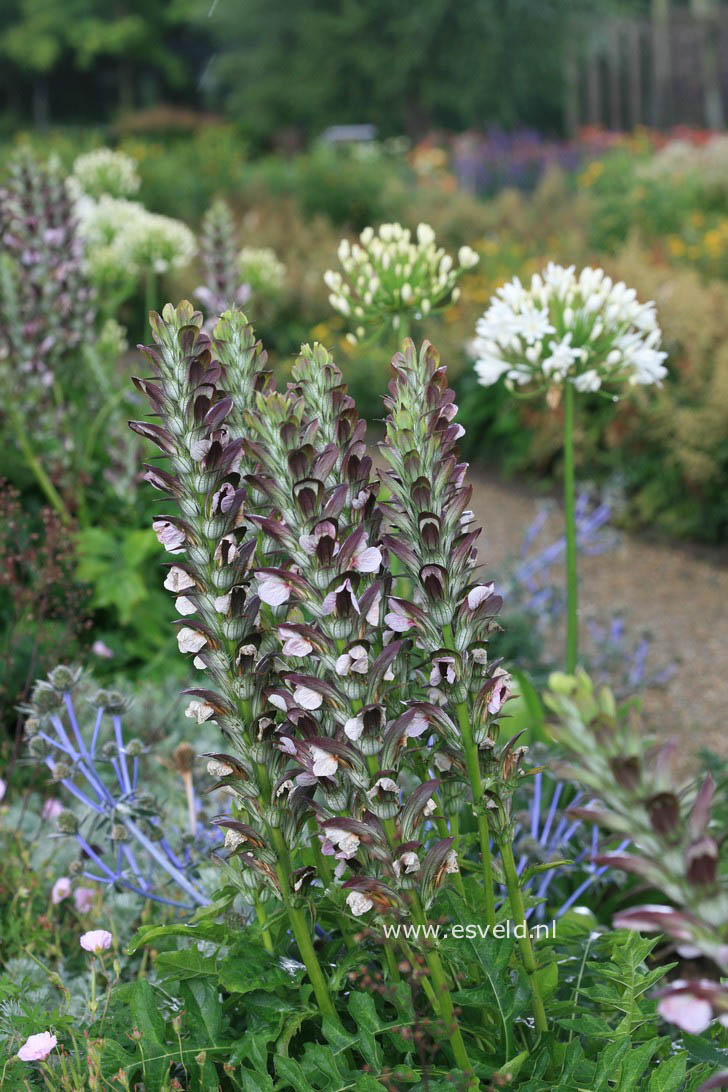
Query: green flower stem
column 524, row 943
column 476, row 787
column 572, row 581
column 34, row 464
column 444, row 1000
column 263, row 922
column 150, row 291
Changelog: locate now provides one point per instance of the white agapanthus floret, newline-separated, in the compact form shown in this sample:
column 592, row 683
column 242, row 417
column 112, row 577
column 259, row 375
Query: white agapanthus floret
column 105, row 171
column 261, row 269
column 391, row 272
column 580, row 328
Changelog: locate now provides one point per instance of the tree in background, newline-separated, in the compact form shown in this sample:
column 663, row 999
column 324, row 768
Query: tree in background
column 451, row 63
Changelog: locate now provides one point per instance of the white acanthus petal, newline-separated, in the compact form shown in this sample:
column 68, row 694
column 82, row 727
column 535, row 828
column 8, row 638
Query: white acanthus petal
column 478, row 594
column 324, row 764
column 307, row 698
column 354, row 727
column 177, row 580
column 358, row 903
column 189, row 640
column 199, row 711
column 183, row 605
column 272, row 589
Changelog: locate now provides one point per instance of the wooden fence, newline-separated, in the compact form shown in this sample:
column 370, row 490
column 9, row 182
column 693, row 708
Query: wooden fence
column 658, row 72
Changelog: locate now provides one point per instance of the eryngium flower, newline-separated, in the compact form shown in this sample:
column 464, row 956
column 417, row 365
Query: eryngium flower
column 388, row 274
column 105, row 171
column 583, row 329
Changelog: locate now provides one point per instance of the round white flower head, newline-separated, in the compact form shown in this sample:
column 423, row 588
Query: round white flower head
column 105, row 171
column 390, row 273
column 97, row 940
column 583, row 329
column 261, row 270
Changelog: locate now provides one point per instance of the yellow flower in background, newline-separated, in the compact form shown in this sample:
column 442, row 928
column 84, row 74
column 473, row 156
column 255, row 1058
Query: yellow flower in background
column 591, row 173
column 676, row 246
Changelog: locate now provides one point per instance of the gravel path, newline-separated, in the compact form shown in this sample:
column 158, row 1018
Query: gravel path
column 679, row 594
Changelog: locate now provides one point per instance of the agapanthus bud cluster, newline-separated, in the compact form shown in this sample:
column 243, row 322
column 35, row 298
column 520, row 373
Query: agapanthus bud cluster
column 340, row 698
column 389, row 274
column 123, row 836
column 47, row 307
column 674, row 841
column 105, row 171
column 222, row 288
column 582, row 329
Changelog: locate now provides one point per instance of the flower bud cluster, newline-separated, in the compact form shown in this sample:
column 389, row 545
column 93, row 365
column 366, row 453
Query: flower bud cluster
column 674, row 840
column 586, row 330
column 123, row 836
column 47, row 308
column 262, row 270
column 222, row 288
column 389, row 274
column 344, row 639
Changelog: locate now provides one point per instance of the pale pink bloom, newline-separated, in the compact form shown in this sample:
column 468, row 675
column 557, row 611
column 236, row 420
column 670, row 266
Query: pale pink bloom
column 36, row 1048
column 354, row 727
column 169, row 536
column 358, row 903
column 3, row 788
column 190, row 640
column 102, row 650
column 501, row 691
column 324, row 764
column 329, row 603
column 478, row 594
column 61, row 890
column 417, row 725
column 83, row 898
column 398, row 619
column 307, row 698
column 293, row 643
column 443, row 669
column 360, row 499
column 372, row 615
column 97, row 940
column 183, row 605
column 273, row 590
column 347, row 842
column 199, row 711
column 177, row 580
column 691, row 1014
column 52, row 808
column 325, row 529
column 356, row 659
column 222, row 603
column 407, row 862
column 366, row 559
column 287, row 745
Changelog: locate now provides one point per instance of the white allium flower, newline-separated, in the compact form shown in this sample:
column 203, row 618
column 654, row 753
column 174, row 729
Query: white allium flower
column 139, row 241
column 105, row 171
column 585, row 329
column 358, row 903
column 388, row 273
column 261, row 269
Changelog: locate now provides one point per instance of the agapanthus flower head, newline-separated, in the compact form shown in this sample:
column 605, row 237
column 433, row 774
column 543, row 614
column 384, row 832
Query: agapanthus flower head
column 261, row 269
column 36, row 1048
column 582, row 328
column 105, row 171
column 390, row 273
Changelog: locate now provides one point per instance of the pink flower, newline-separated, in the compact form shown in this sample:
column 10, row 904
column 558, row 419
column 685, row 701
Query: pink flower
column 36, row 1048
column 366, row 559
column 341, row 599
column 83, row 897
column 691, row 1014
column 294, row 644
column 61, row 890
column 52, row 808
column 97, row 940
column 398, row 619
column 169, row 536
column 272, row 589
column 3, row 788
column 478, row 594
column 500, row 692
column 100, row 649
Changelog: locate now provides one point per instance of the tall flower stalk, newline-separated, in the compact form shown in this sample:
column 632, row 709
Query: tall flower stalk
column 344, row 637
column 563, row 334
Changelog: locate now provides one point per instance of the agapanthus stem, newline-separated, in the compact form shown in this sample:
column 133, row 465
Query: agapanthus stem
column 572, row 581
column 518, row 910
column 470, row 750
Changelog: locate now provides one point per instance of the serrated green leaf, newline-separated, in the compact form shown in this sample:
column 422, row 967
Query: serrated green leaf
column 338, row 1039
column 206, row 930
column 368, row 1024
column 289, row 1070
column 185, row 963
column 669, row 1075
column 635, row 1064
column 203, row 1010
column 609, row 1062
